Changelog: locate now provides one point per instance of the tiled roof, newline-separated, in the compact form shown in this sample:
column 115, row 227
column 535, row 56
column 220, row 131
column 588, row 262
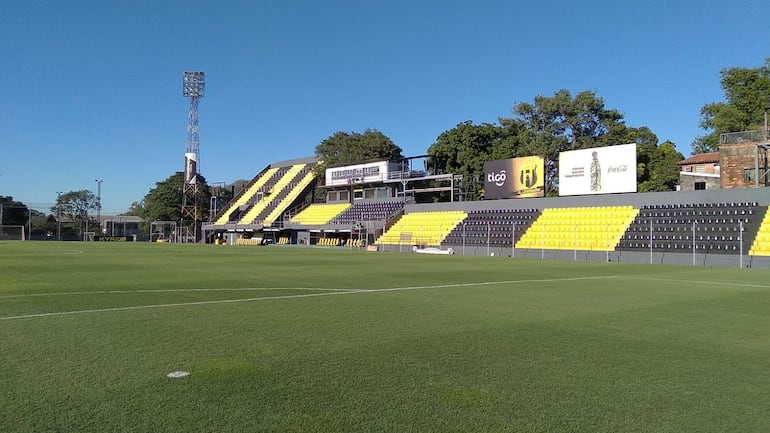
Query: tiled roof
column 700, row 158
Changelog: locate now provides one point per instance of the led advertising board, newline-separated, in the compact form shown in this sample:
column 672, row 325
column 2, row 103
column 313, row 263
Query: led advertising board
column 514, row 178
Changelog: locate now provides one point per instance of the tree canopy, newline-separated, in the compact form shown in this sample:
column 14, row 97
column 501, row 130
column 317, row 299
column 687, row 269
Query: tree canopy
column 657, row 168
column 562, row 122
column 18, row 213
column 135, row 209
column 164, row 202
column 465, row 148
column 546, row 127
column 354, row 147
column 13, row 212
column 747, row 96
column 75, row 206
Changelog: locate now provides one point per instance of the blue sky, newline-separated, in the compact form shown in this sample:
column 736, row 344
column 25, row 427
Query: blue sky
column 92, row 89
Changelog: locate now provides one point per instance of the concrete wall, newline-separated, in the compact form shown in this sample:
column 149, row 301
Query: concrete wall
column 687, row 181
column 657, row 258
column 637, row 200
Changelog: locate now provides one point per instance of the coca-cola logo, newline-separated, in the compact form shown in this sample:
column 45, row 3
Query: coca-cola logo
column 618, row 168
column 497, row 178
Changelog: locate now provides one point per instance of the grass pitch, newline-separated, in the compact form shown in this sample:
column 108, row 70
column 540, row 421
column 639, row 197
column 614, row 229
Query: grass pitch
column 313, row 340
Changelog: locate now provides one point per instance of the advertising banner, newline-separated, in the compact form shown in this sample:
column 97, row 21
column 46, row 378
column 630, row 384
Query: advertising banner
column 190, row 168
column 360, row 173
column 514, row 178
column 600, row 170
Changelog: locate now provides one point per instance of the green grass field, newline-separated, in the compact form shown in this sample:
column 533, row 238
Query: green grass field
column 312, row 340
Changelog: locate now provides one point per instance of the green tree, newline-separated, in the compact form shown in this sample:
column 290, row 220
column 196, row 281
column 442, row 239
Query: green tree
column 343, row 148
column 622, row 134
column 13, row 212
column 657, row 168
column 237, row 186
column 164, row 202
column 465, row 148
column 43, row 226
column 747, row 96
column 75, row 206
column 562, row 122
column 354, row 148
column 135, row 209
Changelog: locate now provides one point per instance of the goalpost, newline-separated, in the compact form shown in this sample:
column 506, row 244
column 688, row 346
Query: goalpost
column 12, row 233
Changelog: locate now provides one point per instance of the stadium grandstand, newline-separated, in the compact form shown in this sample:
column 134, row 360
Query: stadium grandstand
column 372, row 205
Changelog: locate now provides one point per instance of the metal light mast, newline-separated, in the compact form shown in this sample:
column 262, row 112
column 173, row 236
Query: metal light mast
column 99, row 203
column 193, row 86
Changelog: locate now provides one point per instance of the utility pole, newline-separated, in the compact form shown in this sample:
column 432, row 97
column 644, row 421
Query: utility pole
column 58, row 215
column 99, row 203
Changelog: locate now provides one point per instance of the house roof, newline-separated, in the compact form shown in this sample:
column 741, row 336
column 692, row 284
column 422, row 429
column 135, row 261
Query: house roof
column 700, row 158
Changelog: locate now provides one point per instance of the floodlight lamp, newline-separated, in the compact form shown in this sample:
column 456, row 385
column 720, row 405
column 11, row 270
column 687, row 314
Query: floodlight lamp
column 193, row 84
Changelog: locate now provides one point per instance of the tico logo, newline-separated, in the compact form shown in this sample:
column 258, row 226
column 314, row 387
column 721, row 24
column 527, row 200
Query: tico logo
column 497, row 178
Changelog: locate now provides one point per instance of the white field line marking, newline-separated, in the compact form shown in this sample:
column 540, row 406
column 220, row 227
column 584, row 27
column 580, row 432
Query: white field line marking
column 489, row 283
column 180, row 304
column 713, row 283
column 110, row 292
column 306, row 295
column 48, row 253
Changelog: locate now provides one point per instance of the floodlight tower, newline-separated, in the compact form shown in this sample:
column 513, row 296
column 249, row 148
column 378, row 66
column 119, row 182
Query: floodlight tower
column 193, row 86
column 99, row 203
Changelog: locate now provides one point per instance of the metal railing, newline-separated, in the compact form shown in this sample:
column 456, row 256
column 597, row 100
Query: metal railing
column 744, row 137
